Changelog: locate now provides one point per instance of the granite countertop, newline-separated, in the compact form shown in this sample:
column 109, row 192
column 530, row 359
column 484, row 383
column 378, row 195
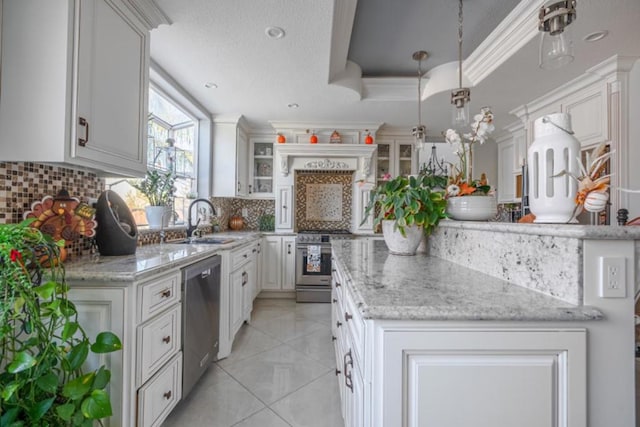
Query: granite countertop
column 423, row 287
column 149, row 260
column 599, row 232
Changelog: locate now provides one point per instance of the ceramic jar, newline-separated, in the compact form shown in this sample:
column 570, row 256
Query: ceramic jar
column 399, row 244
column 553, row 151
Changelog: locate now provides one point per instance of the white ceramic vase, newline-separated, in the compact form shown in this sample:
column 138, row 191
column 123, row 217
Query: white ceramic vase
column 158, row 216
column 399, row 244
column 554, row 149
column 472, row 208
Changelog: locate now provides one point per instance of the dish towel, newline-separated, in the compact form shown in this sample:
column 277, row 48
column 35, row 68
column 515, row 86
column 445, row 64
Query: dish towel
column 314, row 257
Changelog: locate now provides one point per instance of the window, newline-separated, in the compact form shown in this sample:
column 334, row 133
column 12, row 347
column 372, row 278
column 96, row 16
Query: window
column 171, row 146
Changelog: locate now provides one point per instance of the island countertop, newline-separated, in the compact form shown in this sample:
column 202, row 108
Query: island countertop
column 423, row 287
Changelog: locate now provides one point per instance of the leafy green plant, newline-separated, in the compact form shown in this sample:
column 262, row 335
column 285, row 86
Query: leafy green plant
column 157, row 186
column 408, row 201
column 42, row 345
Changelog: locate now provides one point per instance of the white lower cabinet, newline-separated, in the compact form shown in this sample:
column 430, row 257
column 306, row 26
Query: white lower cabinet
column 242, row 280
column 278, row 255
column 146, row 375
column 422, row 373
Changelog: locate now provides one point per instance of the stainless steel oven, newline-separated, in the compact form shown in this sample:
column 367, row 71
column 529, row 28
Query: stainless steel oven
column 313, row 264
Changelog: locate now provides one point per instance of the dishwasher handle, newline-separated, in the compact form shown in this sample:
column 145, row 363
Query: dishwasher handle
column 206, row 273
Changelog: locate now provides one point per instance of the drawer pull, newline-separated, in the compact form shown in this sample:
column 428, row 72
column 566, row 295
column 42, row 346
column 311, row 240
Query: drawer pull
column 347, row 316
column 245, row 255
column 166, row 293
column 335, row 300
column 167, row 395
column 82, row 142
column 338, row 372
column 254, row 250
column 166, row 339
column 338, row 324
column 333, row 338
column 338, row 284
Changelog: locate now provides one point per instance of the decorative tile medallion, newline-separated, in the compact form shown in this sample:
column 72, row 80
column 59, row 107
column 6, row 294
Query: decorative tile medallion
column 324, row 202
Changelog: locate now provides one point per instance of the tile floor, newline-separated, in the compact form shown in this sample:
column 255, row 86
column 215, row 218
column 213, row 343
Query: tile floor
column 280, row 374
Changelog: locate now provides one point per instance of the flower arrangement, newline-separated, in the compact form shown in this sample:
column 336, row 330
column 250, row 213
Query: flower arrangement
column 461, row 182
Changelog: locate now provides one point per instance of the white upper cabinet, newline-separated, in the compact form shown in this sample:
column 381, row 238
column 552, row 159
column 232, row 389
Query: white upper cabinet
column 230, row 157
column 74, row 84
column 261, row 167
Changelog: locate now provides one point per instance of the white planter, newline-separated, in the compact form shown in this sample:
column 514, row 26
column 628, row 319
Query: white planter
column 552, row 199
column 158, row 216
column 472, row 208
column 399, row 244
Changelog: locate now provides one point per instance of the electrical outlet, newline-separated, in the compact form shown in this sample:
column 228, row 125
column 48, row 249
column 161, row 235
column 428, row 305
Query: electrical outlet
column 613, row 276
column 245, row 212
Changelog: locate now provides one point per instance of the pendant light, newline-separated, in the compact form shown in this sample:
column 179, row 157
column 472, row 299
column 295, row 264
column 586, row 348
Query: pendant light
column 556, row 44
column 420, row 131
column 460, row 98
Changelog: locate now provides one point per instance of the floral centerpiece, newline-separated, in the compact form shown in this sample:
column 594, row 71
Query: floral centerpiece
column 461, row 181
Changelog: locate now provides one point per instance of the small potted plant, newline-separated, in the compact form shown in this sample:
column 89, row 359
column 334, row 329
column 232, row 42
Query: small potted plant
column 158, row 188
column 43, row 345
column 407, row 208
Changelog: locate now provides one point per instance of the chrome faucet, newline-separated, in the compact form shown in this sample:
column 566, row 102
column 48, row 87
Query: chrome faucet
column 191, row 228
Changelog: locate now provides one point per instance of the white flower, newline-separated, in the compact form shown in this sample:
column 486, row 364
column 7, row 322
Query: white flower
column 452, row 136
column 477, row 118
column 453, row 190
column 457, row 147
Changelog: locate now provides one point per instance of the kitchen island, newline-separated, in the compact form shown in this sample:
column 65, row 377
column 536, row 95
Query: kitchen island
column 426, row 340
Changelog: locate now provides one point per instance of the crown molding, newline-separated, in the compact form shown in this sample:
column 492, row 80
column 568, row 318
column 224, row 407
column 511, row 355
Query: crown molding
column 342, row 127
column 516, row 30
column 389, row 89
column 149, row 12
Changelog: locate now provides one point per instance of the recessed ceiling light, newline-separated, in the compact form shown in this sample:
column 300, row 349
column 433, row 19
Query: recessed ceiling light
column 293, row 105
column 211, row 85
column 274, row 32
column 595, row 36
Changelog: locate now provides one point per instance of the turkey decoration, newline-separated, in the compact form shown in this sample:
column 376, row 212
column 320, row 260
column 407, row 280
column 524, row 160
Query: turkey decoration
column 63, row 217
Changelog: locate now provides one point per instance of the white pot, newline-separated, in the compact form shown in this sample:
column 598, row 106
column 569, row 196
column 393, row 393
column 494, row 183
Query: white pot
column 472, row 208
column 158, row 216
column 399, row 244
column 552, row 199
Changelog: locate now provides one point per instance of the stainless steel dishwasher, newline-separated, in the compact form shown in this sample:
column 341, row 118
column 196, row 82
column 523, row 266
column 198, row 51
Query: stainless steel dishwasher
column 200, row 319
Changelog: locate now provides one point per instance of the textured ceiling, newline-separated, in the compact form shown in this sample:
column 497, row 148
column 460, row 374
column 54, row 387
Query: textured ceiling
column 223, row 41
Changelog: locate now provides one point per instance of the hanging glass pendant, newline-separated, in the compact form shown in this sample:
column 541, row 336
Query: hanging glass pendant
column 556, row 43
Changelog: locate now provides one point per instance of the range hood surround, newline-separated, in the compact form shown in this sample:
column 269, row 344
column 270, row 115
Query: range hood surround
column 339, row 157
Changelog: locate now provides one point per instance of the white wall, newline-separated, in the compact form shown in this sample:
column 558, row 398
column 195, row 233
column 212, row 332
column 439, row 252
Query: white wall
column 485, row 160
column 634, row 141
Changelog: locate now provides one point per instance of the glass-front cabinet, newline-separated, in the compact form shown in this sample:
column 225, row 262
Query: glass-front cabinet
column 262, row 168
column 395, row 157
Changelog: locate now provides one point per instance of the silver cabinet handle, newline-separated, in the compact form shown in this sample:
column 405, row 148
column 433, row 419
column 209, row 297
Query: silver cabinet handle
column 83, row 122
column 206, row 273
column 289, row 249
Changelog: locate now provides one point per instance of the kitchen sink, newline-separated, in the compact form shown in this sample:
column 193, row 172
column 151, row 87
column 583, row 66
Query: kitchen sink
column 208, row 241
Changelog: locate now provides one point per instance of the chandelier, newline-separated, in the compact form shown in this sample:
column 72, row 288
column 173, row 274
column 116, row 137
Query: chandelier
column 556, row 45
column 433, row 166
column 460, row 98
column 420, row 131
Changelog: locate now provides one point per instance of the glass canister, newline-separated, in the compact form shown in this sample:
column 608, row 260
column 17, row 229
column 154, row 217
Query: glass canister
column 554, row 150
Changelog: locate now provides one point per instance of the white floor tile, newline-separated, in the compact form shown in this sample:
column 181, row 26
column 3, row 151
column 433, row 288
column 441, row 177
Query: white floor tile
column 318, row 346
column 248, row 342
column 320, row 312
column 275, row 373
column 314, row 405
column 217, row 400
column 264, row 418
column 288, row 326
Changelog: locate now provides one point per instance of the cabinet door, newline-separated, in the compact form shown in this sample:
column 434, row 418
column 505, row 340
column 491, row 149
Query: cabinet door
column 247, row 290
column 384, row 159
column 110, row 120
column 284, row 207
column 99, row 310
column 506, row 177
column 271, row 255
column 242, row 188
column 236, row 281
column 261, row 168
column 257, row 261
column 536, row 378
column 289, row 263
column 406, row 158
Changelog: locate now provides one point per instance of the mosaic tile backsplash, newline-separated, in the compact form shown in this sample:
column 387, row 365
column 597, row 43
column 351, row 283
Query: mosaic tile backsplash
column 22, row 183
column 323, row 200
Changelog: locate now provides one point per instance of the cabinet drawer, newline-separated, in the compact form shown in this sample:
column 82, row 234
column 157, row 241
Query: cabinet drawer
column 156, row 295
column 159, row 396
column 354, row 323
column 158, row 340
column 241, row 256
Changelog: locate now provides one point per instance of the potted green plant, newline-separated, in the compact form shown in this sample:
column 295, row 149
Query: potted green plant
column 407, row 209
column 158, row 187
column 43, row 347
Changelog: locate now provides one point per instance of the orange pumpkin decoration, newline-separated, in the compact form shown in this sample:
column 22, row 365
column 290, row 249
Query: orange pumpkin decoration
column 313, row 138
column 368, row 139
column 236, row 222
column 281, row 138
